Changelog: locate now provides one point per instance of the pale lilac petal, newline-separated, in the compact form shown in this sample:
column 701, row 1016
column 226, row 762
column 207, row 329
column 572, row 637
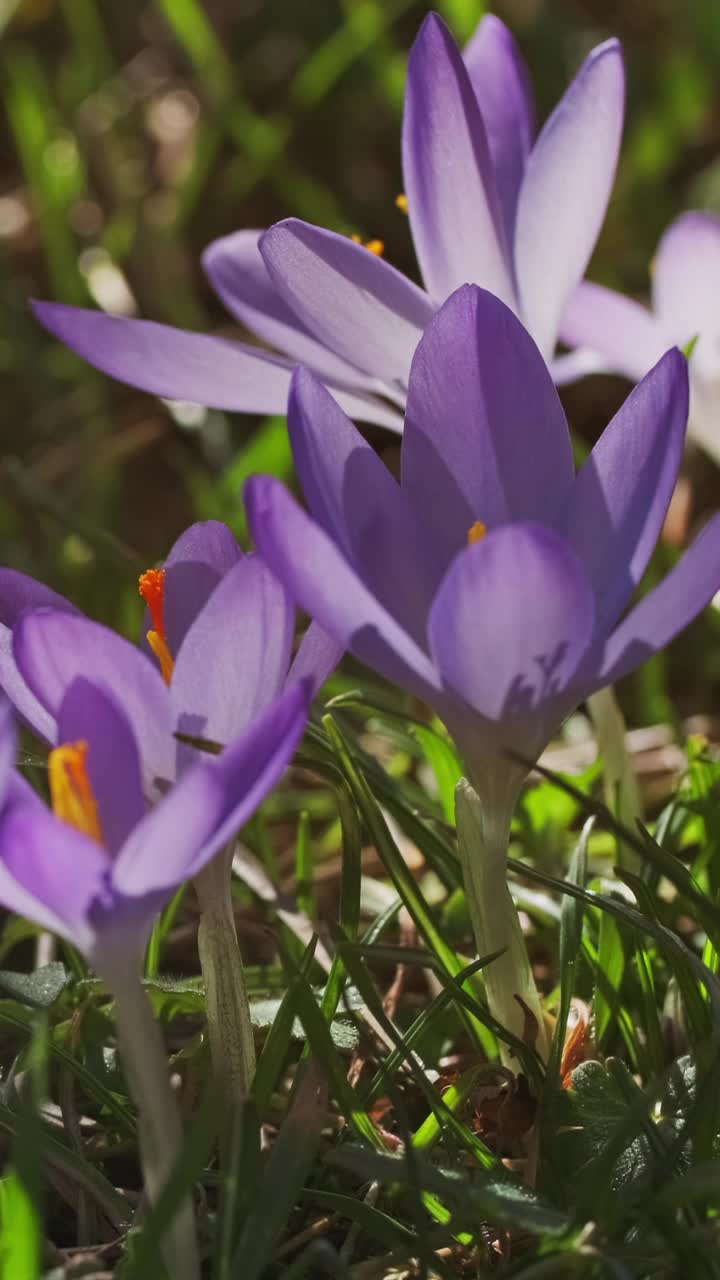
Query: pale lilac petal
column 94, row 715
column 628, row 338
column 52, row 649
column 235, row 656
column 354, row 498
column 349, row 298
column 18, row 592
column 511, row 624
column 667, row 609
column 571, row 366
column 704, row 423
column 188, row 366
column 565, row 192
column 686, row 280
column 317, row 657
column 13, row 685
column 238, row 274
column 49, row 872
column 485, row 434
column 502, row 87
column 211, row 802
column 449, row 179
column 320, row 579
column 207, row 542
column 8, row 747
column 200, row 557
column 622, row 493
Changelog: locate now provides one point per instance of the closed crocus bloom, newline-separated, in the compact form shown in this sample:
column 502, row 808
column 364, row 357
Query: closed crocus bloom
column 488, row 202
column 98, row 867
column 492, row 580
column 619, row 335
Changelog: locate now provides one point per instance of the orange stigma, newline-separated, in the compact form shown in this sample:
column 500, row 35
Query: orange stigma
column 401, row 202
column 151, row 585
column 373, row 246
column 476, row 532
column 71, row 790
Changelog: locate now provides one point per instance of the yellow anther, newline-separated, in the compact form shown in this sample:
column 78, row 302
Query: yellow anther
column 401, row 202
column 476, row 532
column 373, row 246
column 151, row 586
column 71, row 790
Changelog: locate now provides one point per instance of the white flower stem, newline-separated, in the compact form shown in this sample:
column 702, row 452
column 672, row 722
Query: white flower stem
column 483, row 831
column 159, row 1130
column 622, row 794
column 232, row 1044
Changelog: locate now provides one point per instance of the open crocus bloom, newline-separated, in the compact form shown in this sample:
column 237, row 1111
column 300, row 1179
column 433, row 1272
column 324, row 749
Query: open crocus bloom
column 623, row 336
column 492, row 581
column 219, row 635
column 486, row 204
column 98, row 868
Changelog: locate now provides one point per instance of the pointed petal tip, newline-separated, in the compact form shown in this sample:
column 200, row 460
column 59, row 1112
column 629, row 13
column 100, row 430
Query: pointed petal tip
column 272, row 235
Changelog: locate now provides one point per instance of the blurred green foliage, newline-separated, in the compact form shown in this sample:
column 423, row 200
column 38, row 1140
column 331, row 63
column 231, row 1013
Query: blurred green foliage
column 135, row 133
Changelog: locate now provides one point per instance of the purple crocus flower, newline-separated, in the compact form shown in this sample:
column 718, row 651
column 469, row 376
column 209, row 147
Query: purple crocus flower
column 221, row 629
column 617, row 334
column 492, row 580
column 487, row 203
column 98, row 868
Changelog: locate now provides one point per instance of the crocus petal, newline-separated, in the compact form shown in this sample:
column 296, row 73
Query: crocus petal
column 234, row 658
column 667, row 609
column 187, row 366
column 485, row 434
column 13, row 685
column 512, row 621
column 628, row 337
column 704, row 423
column 448, row 172
column 571, row 366
column 8, row 746
column 211, row 802
column 354, row 498
column 237, row 272
column 351, row 299
column 52, row 649
column 686, row 279
column 94, row 715
column 320, row 579
column 502, row 87
column 200, row 557
column 49, row 872
column 18, row 592
column 317, row 657
column 565, row 191
column 622, row 493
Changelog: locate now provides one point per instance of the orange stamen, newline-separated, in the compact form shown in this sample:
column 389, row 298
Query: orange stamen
column 151, row 585
column 71, row 790
column 476, row 532
column 401, row 202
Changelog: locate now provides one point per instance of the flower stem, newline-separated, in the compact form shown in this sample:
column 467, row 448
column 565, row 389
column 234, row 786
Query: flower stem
column 160, row 1133
column 622, row 794
column 483, row 831
column 232, row 1045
